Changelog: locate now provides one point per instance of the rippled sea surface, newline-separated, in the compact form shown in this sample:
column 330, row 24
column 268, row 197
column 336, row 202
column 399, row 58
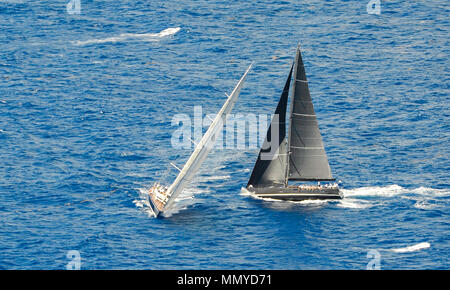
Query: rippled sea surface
column 86, row 103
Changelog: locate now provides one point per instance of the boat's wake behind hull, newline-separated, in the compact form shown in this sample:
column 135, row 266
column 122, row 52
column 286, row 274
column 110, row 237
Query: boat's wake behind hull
column 295, row 193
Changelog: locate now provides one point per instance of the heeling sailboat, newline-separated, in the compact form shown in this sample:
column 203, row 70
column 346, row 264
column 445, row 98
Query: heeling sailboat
column 299, row 156
column 162, row 198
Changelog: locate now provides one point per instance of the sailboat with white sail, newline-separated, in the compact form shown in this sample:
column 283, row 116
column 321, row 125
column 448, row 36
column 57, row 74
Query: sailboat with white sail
column 161, row 198
column 298, row 156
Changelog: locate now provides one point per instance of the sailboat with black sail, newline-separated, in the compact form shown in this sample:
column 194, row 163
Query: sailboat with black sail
column 299, row 155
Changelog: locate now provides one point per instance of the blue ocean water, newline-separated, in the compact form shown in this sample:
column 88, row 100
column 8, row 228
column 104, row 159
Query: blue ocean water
column 86, row 102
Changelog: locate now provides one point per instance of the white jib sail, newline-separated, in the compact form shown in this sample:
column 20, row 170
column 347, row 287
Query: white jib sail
column 203, row 147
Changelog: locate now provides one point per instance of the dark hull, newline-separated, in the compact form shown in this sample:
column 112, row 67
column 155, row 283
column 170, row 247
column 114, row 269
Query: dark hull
column 154, row 205
column 296, row 193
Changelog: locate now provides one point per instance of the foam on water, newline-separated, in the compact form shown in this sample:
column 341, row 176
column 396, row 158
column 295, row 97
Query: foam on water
column 424, row 205
column 354, row 203
column 12, row 1
column 133, row 36
column 413, row 248
column 393, row 190
column 219, row 177
column 183, row 201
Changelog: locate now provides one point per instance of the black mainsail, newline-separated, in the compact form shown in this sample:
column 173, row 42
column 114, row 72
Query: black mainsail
column 307, row 158
column 299, row 157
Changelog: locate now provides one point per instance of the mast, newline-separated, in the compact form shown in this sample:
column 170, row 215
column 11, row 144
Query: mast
column 288, row 153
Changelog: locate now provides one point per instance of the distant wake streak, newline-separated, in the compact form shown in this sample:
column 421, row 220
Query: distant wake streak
column 414, row 248
column 128, row 36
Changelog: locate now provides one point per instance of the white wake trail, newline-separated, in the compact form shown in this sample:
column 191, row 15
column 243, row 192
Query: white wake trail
column 413, row 248
column 128, row 36
column 393, row 190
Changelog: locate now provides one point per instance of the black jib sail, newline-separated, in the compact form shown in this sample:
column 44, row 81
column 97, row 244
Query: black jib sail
column 270, row 167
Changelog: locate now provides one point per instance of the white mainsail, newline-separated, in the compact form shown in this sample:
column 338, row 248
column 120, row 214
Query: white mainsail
column 202, row 148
